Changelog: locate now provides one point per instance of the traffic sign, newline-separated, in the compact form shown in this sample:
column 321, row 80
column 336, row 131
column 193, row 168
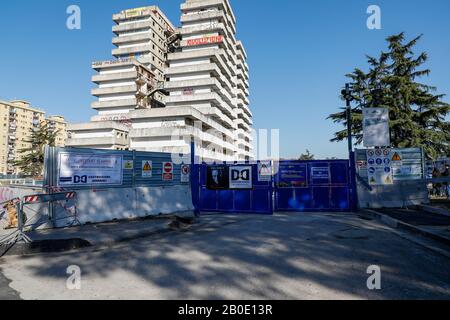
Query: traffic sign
column 167, row 171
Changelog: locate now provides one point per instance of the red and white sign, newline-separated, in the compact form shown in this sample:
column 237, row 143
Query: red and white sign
column 205, row 40
column 362, row 164
column 185, row 173
column 167, row 171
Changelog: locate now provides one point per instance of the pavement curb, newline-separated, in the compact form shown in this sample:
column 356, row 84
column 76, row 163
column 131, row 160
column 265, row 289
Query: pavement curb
column 397, row 224
column 435, row 210
column 43, row 246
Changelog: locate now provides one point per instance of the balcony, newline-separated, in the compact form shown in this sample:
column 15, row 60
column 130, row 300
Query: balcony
column 115, row 76
column 211, row 97
column 100, row 141
column 131, row 103
column 208, row 16
column 143, row 48
column 114, row 90
column 133, row 38
column 205, row 4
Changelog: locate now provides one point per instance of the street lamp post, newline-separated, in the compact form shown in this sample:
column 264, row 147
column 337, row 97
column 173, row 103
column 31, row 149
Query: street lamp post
column 348, row 98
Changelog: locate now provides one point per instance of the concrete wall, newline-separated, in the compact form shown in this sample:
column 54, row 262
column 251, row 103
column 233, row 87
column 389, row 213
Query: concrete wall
column 95, row 206
column 407, row 189
column 103, row 205
column 401, row 194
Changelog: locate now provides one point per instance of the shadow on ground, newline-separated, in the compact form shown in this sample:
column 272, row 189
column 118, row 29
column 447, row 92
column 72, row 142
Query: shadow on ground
column 288, row 256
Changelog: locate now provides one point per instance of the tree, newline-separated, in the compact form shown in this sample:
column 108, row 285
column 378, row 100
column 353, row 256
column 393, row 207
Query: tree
column 306, row 156
column 417, row 114
column 32, row 160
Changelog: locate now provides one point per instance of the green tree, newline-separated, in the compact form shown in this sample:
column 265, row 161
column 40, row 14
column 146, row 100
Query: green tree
column 417, row 114
column 32, row 160
column 306, row 156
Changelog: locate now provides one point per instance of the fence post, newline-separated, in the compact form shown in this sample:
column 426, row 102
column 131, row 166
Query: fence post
column 353, row 186
column 20, row 225
column 194, row 178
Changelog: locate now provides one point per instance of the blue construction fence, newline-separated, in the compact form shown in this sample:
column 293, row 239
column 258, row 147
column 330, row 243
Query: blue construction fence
column 263, row 187
column 126, row 169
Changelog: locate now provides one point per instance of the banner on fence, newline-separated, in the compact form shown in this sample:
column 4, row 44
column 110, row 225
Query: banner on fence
column 80, row 170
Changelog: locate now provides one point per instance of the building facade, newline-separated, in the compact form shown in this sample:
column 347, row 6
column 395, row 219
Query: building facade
column 58, row 125
column 210, row 74
column 17, row 120
column 167, row 87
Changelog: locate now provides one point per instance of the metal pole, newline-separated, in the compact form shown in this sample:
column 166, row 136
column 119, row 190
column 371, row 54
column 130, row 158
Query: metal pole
column 349, row 118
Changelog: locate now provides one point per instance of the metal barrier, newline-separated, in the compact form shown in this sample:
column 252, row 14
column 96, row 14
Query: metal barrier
column 18, row 215
column 57, row 209
column 11, row 222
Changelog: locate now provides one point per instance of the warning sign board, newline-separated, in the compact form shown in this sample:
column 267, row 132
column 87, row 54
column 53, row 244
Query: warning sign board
column 396, row 157
column 128, row 165
column 185, row 173
column 406, row 164
column 147, row 169
column 379, row 167
column 167, row 174
column 265, row 171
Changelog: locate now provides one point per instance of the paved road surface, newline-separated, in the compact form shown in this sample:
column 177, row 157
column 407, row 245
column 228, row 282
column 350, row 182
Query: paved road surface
column 298, row 256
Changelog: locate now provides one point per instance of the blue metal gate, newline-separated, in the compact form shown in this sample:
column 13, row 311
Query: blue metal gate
column 293, row 186
column 313, row 186
column 214, row 197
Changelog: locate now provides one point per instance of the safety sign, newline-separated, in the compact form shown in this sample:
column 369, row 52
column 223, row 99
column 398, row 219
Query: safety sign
column 379, row 169
column 128, row 165
column 265, row 171
column 185, row 172
column 147, row 169
column 167, row 174
column 361, row 164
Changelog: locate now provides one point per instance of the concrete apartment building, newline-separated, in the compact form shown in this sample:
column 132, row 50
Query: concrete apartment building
column 59, row 125
column 210, row 74
column 17, row 119
column 129, row 82
column 202, row 69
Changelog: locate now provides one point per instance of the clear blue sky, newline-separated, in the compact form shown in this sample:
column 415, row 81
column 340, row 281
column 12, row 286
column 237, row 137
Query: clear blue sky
column 299, row 52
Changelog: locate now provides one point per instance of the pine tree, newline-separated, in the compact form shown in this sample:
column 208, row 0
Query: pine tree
column 32, row 161
column 306, row 156
column 417, row 114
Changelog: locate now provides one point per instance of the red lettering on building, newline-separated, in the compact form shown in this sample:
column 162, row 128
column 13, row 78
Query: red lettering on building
column 205, row 40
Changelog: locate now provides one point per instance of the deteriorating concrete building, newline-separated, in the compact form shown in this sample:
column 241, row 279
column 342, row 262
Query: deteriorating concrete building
column 170, row 86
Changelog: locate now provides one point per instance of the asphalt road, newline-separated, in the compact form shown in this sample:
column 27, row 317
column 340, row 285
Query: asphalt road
column 287, row 256
column 6, row 293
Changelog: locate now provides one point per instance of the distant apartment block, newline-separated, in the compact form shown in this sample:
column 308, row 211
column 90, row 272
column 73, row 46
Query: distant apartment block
column 17, row 120
column 168, row 86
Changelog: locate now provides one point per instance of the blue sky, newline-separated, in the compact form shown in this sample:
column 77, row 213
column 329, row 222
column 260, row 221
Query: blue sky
column 299, row 52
